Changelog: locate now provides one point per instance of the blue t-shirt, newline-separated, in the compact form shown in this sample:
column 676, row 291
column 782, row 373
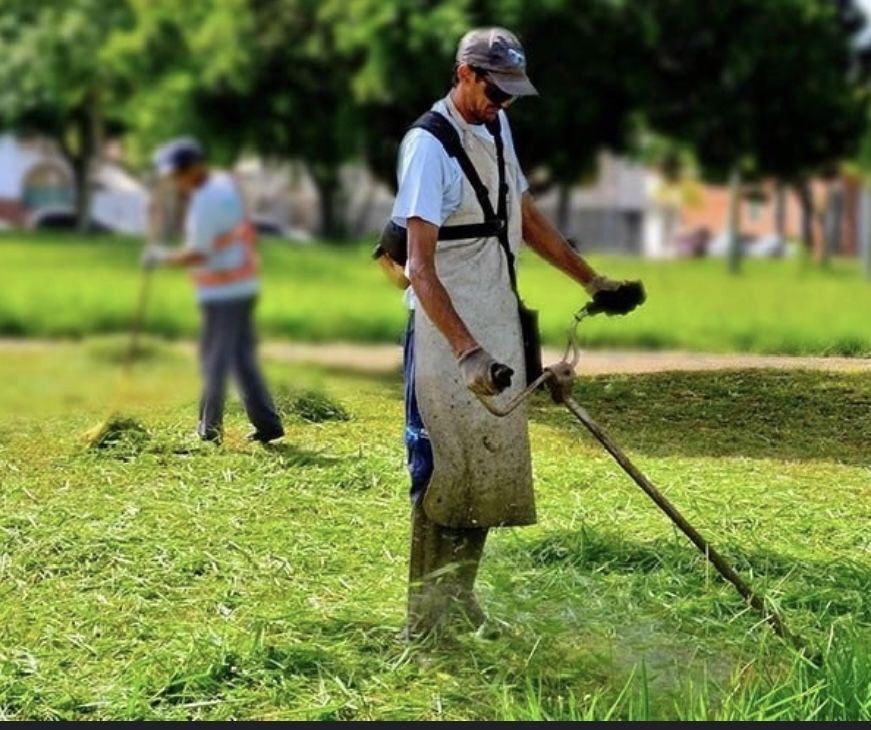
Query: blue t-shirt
column 215, row 208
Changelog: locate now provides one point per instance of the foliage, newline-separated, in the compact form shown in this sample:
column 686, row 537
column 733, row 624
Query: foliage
column 585, row 62
column 775, row 88
column 169, row 60
column 262, row 76
column 407, row 50
column 56, row 75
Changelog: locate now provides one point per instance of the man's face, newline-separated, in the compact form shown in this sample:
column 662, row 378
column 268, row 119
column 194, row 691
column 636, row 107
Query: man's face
column 482, row 99
column 185, row 180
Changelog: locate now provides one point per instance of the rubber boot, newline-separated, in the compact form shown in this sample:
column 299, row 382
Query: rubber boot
column 427, row 602
column 467, row 550
column 441, row 577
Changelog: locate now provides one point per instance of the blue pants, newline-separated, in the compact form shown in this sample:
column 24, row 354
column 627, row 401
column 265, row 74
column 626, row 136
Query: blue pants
column 227, row 346
column 420, row 462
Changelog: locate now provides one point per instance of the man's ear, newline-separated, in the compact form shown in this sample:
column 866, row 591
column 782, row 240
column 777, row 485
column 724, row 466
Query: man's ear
column 465, row 72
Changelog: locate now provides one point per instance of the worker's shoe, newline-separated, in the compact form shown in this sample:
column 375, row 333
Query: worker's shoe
column 470, row 613
column 214, row 435
column 265, row 437
column 467, row 548
column 426, row 602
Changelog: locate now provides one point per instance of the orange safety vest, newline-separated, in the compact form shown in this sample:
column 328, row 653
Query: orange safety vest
column 245, row 233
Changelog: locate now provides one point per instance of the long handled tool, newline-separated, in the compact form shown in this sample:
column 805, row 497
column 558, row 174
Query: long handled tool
column 155, row 223
column 560, row 378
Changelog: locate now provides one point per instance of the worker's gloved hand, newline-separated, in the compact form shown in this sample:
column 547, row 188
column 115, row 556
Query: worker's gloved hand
column 153, row 256
column 476, row 365
column 600, row 283
column 622, row 299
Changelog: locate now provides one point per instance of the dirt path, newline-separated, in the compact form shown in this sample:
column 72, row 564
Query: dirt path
column 387, row 358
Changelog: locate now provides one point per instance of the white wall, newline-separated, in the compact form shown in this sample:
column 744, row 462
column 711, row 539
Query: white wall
column 16, row 160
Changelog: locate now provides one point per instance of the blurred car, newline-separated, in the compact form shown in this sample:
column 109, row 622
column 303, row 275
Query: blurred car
column 270, row 228
column 769, row 246
column 60, row 218
column 693, row 243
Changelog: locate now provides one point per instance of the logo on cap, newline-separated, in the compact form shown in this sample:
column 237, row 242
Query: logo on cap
column 516, row 57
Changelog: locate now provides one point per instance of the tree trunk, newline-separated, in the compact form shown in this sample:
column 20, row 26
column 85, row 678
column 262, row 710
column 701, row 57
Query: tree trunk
column 832, row 221
column 865, row 228
column 806, row 201
column 780, row 211
column 81, row 173
column 79, row 164
column 563, row 208
column 327, row 182
column 734, row 233
column 93, row 154
column 358, row 227
column 88, row 133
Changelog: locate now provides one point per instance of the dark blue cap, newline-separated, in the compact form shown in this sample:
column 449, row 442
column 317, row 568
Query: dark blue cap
column 176, row 155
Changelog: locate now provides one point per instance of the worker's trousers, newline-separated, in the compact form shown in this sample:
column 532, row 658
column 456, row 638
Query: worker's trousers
column 227, row 346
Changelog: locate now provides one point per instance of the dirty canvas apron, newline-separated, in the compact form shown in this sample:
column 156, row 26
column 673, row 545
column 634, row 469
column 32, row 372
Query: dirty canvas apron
column 482, row 475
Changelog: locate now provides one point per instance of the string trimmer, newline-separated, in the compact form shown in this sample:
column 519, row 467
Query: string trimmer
column 560, row 379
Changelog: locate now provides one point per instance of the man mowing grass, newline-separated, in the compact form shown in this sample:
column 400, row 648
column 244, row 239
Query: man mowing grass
column 219, row 251
column 463, row 200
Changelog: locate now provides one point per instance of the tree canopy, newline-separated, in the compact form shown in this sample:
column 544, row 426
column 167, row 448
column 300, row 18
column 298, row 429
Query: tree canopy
column 56, row 75
column 769, row 87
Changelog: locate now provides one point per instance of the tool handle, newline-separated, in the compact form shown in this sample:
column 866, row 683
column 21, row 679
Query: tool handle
column 501, row 376
column 770, row 613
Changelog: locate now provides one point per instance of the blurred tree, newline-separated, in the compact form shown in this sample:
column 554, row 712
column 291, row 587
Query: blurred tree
column 261, row 75
column 754, row 88
column 171, row 57
column 406, row 48
column 579, row 56
column 586, row 67
column 299, row 100
column 54, row 77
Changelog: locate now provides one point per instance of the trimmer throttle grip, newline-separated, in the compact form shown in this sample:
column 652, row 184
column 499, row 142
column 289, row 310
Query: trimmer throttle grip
column 501, row 376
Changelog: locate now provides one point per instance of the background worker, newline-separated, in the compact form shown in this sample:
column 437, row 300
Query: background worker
column 219, row 251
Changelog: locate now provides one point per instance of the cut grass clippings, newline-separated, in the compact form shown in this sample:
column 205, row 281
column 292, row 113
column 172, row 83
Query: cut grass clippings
column 189, row 581
column 312, row 406
column 117, row 430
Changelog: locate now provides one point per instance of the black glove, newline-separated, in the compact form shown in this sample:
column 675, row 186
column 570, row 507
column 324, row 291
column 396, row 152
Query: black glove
column 622, row 299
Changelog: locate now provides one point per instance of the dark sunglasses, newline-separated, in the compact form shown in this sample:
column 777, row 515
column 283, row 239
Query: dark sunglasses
column 493, row 92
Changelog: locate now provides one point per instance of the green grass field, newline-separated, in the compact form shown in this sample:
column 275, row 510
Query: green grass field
column 66, row 286
column 165, row 578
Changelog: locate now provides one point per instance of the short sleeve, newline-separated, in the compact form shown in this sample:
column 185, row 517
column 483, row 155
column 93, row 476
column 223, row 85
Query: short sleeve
column 422, row 177
column 199, row 226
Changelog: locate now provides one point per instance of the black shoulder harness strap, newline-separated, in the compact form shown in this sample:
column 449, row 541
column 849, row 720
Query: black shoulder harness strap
column 494, row 223
column 496, row 130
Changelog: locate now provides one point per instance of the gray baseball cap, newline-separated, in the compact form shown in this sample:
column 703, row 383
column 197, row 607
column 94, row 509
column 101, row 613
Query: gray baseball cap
column 177, row 154
column 498, row 51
